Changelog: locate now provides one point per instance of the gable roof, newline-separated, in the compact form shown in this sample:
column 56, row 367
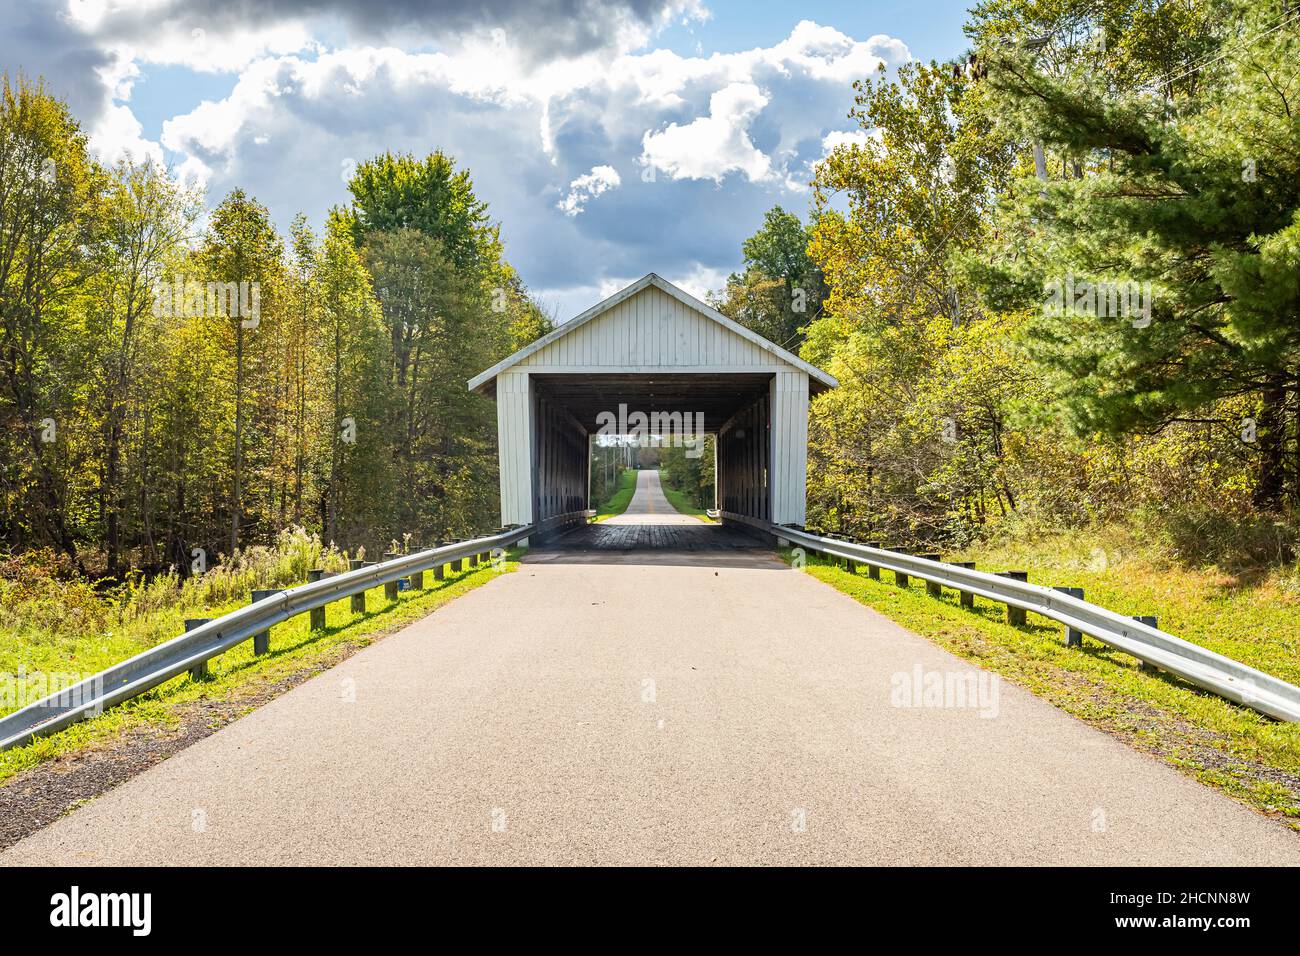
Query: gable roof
column 815, row 374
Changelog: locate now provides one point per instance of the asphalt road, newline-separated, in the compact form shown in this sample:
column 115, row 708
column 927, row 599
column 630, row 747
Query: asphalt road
column 649, row 506
column 657, row 708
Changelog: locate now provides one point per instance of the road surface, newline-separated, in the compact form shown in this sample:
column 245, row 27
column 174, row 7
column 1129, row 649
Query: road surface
column 649, row 506
column 656, row 707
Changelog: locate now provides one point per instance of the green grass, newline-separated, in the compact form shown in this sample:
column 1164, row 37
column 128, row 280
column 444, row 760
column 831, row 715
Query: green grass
column 238, row 674
column 621, row 498
column 682, row 502
column 1250, row 619
column 1250, row 757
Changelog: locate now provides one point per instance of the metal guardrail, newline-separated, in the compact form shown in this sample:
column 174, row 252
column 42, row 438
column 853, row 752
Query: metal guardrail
column 1214, row 672
column 193, row 649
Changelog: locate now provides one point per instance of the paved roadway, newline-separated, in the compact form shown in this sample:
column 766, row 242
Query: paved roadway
column 654, row 708
column 649, row 506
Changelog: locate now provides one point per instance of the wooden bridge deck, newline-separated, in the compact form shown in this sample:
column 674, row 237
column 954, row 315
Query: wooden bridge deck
column 656, row 537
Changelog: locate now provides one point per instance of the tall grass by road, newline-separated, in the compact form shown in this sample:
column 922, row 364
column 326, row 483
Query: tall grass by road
column 683, row 502
column 55, row 630
column 617, row 503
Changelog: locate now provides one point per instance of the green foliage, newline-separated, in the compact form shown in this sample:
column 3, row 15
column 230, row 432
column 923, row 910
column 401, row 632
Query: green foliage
column 51, row 200
column 431, row 196
column 780, row 290
column 53, row 620
column 1132, row 44
column 915, row 442
column 1116, row 142
column 614, row 492
column 690, row 476
column 169, row 397
column 1195, row 198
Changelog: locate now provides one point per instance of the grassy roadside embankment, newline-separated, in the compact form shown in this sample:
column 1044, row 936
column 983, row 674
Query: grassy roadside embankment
column 622, row 497
column 682, row 502
column 1250, row 757
column 238, row 681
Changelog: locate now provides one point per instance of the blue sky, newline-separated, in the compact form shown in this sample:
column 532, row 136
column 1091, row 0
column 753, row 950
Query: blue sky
column 638, row 136
column 930, row 28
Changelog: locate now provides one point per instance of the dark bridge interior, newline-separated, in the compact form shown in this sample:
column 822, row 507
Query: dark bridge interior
column 718, row 396
column 569, row 408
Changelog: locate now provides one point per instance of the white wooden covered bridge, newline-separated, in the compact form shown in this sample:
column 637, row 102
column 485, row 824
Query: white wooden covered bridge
column 653, row 348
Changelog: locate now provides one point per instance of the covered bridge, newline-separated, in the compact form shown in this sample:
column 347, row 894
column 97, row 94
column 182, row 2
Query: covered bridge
column 657, row 351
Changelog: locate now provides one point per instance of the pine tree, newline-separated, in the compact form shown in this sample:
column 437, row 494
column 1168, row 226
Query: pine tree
column 1175, row 230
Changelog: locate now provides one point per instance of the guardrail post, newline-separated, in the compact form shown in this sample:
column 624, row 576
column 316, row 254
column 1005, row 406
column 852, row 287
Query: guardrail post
column 198, row 671
column 316, row 616
column 439, row 569
column 967, row 599
column 1016, row 615
column 873, row 572
column 417, row 580
column 359, row 599
column 457, row 564
column 932, row 588
column 1073, row 638
column 901, row 579
column 390, row 587
column 262, row 639
column 1150, row 620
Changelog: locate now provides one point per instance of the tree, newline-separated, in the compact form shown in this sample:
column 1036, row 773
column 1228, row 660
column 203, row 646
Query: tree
column 166, row 399
column 689, row 471
column 359, row 474
column 397, row 192
column 1129, row 45
column 913, row 443
column 50, row 226
column 242, row 255
column 780, row 290
column 1189, row 204
column 149, row 219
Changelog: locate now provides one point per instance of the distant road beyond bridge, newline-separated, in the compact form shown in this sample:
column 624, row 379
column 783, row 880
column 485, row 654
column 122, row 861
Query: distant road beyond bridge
column 655, row 706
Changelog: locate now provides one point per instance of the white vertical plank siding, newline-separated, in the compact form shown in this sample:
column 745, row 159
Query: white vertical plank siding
column 789, row 452
column 515, row 446
column 651, row 329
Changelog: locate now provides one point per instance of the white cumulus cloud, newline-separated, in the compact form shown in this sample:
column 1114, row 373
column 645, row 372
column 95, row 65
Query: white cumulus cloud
column 587, row 187
column 714, row 145
column 525, row 100
column 854, row 137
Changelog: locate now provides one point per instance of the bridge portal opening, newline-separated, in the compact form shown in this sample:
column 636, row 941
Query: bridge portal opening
column 636, row 416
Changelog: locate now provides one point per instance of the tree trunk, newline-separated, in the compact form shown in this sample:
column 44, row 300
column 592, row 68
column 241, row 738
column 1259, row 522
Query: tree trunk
column 1270, row 434
column 237, row 505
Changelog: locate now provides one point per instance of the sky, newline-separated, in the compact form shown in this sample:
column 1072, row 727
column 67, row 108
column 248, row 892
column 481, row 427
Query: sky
column 609, row 139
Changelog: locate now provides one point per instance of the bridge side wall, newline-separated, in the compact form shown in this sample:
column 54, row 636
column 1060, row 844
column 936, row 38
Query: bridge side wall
column 515, row 446
column 542, row 451
column 743, row 449
column 562, row 460
column 788, row 399
column 762, row 463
